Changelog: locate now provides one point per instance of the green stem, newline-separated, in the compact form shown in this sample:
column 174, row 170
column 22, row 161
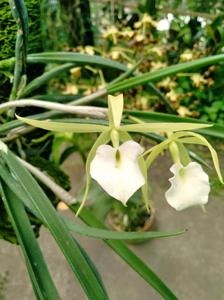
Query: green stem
column 20, row 14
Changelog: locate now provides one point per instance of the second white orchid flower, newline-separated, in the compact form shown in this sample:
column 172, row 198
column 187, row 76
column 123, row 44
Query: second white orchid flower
column 189, row 186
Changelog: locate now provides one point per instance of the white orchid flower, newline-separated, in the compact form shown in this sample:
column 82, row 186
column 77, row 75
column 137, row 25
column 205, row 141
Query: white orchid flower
column 117, row 170
column 189, row 186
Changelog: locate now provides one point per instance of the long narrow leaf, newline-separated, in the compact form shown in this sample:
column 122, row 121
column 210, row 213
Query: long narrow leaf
column 108, row 234
column 215, row 131
column 38, row 202
column 20, row 14
column 42, row 283
column 168, row 71
column 39, row 81
column 128, row 256
column 72, row 57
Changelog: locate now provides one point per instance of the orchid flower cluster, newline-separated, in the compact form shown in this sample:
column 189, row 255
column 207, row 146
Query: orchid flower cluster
column 121, row 168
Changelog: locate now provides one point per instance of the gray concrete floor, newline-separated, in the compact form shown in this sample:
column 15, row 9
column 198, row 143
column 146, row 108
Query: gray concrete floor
column 192, row 265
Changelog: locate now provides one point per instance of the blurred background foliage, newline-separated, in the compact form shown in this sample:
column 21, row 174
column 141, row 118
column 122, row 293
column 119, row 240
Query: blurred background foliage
column 170, row 32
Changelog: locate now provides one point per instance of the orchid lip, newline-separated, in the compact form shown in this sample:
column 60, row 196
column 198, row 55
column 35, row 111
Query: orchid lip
column 117, row 170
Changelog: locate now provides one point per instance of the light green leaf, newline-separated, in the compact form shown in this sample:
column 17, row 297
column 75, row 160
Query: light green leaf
column 63, row 127
column 162, row 127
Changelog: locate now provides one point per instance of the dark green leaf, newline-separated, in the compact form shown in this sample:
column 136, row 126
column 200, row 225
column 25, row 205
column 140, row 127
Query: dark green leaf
column 42, row 283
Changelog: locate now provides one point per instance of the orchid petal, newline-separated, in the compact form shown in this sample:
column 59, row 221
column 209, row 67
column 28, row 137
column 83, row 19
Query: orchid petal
column 189, row 186
column 121, row 180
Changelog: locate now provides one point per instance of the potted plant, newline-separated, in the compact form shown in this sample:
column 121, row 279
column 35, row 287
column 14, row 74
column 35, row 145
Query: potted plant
column 133, row 217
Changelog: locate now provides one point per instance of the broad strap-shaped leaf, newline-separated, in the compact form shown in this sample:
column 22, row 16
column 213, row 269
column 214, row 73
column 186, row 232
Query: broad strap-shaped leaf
column 43, row 285
column 63, row 127
column 162, row 127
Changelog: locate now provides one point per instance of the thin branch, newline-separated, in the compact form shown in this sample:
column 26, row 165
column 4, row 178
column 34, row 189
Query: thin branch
column 90, row 111
column 17, row 132
column 89, row 98
column 49, row 182
column 14, row 133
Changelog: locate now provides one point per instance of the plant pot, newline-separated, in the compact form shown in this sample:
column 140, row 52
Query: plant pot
column 149, row 223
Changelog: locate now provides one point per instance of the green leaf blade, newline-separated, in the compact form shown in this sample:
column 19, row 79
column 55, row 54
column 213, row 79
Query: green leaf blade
column 77, row 58
column 42, row 283
column 216, row 130
column 39, row 81
column 39, row 204
column 128, row 256
column 108, row 234
column 168, row 71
